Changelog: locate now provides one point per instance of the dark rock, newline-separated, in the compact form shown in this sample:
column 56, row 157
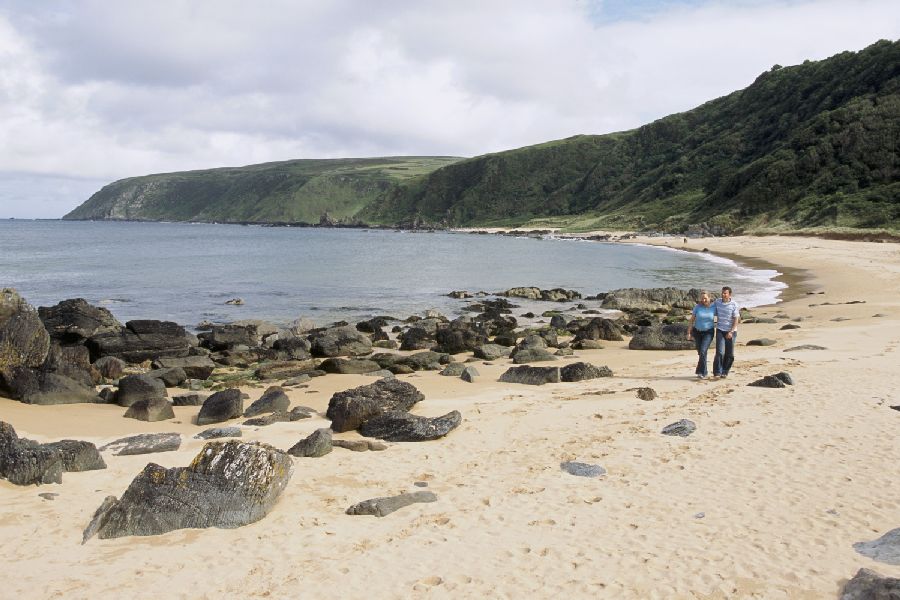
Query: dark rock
column 599, row 329
column 24, row 342
column 398, row 426
column 426, row 361
column 225, row 337
column 26, row 462
column 530, row 355
column 73, row 362
column 194, row 367
column 273, row 399
column 285, row 369
column 805, row 347
column 869, row 585
column 682, row 428
column 350, row 408
column 110, row 367
column 293, row 348
column 189, row 400
column 761, row 342
column 661, row 337
column 141, row 340
column 587, row 345
column 491, row 351
column 341, row 341
column 78, row 455
column 469, row 374
column 416, row 338
column 580, row 469
column 506, row 338
column 885, row 549
column 531, row 375
column 228, row 484
column 349, row 366
column 219, row 432
column 151, row 410
column 360, row 445
column 221, row 406
column 45, row 388
column 134, row 388
column 170, row 376
column 779, row 380
column 790, row 326
column 144, row 443
column 381, row 507
column 581, row 371
column 454, row 369
column 646, row 393
column 459, row 337
column 317, row 444
column 280, row 416
column 73, row 321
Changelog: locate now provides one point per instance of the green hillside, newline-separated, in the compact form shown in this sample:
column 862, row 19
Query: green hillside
column 296, row 191
column 808, row 147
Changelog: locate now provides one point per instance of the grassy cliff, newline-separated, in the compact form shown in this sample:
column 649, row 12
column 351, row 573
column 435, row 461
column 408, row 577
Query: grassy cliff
column 808, row 147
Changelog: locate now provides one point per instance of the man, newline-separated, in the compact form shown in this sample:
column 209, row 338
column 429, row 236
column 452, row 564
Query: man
column 728, row 315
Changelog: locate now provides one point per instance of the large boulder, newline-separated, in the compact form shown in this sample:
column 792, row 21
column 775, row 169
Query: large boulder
column 141, row 340
column 349, row 366
column 221, row 406
column 459, row 337
column 292, row 348
column 224, row 337
column 24, row 342
column 416, row 338
column 134, row 388
column 78, row 455
column 170, row 376
column 152, row 410
column 40, row 387
column 661, row 337
column 229, row 484
column 341, row 341
column 581, row 371
column 273, row 399
column 73, row 321
column 73, row 362
column 26, row 462
column 491, row 351
column 599, row 329
column 350, row 408
column 110, row 367
column 195, row 367
column 399, row 426
column 652, row 299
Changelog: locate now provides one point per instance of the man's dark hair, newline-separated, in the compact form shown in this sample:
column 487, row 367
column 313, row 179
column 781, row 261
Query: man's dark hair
column 727, row 288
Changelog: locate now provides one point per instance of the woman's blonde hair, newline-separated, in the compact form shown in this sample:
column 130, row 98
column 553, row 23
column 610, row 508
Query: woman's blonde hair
column 704, row 293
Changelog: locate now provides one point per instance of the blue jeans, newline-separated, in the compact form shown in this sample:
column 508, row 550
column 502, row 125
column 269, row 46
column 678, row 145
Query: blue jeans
column 724, row 353
column 702, row 341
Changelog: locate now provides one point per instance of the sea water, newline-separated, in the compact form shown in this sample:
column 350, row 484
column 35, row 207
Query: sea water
column 187, row 272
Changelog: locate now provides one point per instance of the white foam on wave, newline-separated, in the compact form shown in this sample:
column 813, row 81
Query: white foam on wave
column 761, row 287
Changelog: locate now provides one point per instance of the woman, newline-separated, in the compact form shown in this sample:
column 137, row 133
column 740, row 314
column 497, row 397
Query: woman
column 701, row 330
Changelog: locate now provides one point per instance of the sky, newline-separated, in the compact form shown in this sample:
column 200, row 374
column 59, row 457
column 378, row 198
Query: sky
column 92, row 91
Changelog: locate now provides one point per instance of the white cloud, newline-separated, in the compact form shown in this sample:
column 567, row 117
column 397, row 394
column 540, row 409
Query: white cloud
column 104, row 90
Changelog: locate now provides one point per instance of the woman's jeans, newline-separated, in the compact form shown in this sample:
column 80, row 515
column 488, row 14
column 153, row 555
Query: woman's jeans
column 702, row 341
column 724, row 353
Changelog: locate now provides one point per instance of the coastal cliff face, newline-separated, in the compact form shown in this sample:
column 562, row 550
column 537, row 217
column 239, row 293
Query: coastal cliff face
column 809, row 146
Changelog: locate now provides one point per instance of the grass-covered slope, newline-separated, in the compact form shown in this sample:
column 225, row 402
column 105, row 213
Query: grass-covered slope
column 297, row 191
column 815, row 145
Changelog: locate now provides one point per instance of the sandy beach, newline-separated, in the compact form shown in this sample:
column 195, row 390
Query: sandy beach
column 765, row 500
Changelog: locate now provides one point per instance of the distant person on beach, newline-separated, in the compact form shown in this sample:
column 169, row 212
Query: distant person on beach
column 701, row 330
column 728, row 315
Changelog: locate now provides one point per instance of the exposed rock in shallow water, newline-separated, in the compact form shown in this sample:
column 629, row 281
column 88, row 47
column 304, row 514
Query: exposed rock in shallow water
column 397, row 426
column 380, row 507
column 144, row 443
column 228, row 485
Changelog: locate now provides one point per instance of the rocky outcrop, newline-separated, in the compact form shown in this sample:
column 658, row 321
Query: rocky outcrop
column 225, row 337
column 399, row 426
column 141, row 340
column 24, row 342
column 533, row 293
column 228, row 484
column 221, row 406
column 33, row 386
column 341, row 341
column 661, row 337
column 350, row 408
column 73, row 321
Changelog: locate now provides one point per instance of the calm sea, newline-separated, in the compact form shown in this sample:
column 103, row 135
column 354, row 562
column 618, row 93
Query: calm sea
column 186, row 272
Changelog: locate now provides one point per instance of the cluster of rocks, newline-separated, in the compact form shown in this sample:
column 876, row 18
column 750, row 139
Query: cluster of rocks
column 26, row 462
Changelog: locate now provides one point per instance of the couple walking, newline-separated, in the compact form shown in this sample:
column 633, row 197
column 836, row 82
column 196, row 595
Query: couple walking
column 719, row 318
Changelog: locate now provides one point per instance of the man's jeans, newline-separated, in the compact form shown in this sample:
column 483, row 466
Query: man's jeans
column 724, row 353
column 702, row 341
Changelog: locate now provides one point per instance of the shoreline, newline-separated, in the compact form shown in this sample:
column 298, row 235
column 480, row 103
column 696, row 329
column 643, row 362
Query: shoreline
column 764, row 500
